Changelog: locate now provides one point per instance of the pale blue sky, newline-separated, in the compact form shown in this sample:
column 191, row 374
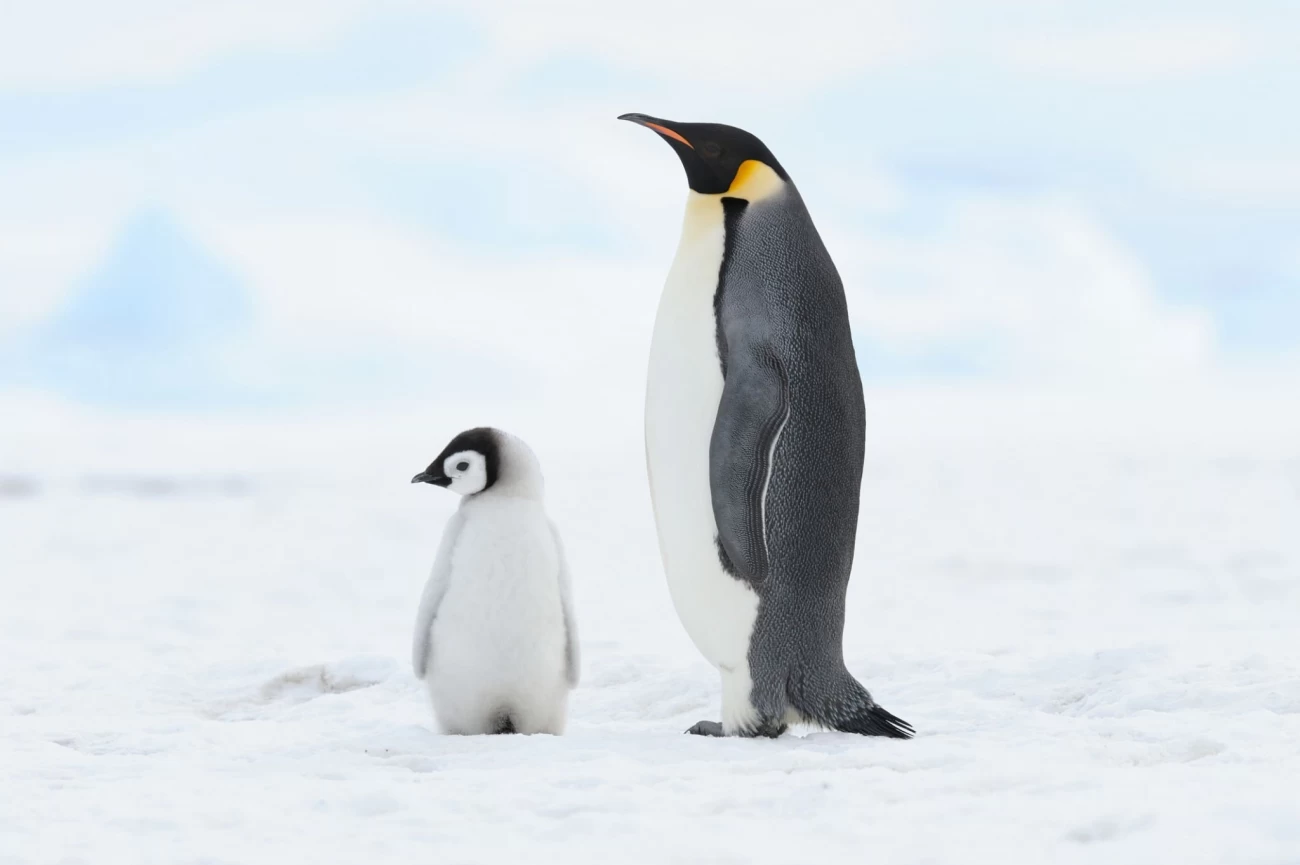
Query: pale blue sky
column 1013, row 190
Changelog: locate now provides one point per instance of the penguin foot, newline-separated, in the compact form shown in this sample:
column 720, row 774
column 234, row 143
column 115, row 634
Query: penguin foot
column 706, row 728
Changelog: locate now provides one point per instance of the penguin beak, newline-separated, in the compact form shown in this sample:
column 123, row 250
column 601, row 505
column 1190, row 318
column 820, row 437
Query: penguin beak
column 426, row 478
column 663, row 127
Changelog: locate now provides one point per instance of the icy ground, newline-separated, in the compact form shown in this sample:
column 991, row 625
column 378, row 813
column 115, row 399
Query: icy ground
column 204, row 634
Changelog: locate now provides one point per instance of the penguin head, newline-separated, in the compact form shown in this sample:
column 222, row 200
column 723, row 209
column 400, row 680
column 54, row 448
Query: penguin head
column 719, row 159
column 469, row 464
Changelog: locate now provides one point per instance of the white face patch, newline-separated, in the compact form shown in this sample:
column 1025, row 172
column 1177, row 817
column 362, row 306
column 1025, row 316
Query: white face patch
column 468, row 472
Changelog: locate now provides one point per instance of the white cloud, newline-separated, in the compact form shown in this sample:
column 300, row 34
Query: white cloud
column 579, row 325
column 66, row 44
column 1129, row 51
column 731, row 46
column 1239, row 182
column 1037, row 285
column 722, row 48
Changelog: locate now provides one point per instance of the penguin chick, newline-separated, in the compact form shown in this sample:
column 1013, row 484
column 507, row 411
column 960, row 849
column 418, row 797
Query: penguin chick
column 495, row 640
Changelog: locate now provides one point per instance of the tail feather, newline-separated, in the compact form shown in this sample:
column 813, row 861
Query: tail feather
column 878, row 722
column 843, row 704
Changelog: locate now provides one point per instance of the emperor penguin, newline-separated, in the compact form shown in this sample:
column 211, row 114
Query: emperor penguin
column 754, row 434
column 495, row 639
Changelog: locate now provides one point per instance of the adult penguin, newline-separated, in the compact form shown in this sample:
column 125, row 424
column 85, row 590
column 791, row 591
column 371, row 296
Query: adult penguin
column 755, row 431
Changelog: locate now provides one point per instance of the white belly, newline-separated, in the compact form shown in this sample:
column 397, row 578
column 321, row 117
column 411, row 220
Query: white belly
column 682, row 395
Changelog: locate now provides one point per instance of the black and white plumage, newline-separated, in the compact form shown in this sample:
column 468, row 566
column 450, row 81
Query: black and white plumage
column 495, row 638
column 755, row 428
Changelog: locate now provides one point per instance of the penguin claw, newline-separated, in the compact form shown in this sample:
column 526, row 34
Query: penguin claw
column 706, row 728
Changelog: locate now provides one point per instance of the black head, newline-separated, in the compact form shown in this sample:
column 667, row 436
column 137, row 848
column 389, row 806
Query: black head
column 469, row 464
column 711, row 153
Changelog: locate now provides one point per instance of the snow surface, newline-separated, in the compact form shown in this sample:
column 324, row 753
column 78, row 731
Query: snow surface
column 204, row 628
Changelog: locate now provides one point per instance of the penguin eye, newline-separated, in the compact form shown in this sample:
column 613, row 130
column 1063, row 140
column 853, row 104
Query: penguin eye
column 711, row 149
column 462, row 466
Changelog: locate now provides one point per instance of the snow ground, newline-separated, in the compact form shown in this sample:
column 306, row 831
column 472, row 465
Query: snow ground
column 205, row 630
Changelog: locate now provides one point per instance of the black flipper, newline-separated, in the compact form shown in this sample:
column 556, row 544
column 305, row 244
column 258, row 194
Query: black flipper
column 753, row 410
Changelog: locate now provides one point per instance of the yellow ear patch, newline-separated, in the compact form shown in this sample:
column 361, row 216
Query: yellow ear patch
column 754, row 181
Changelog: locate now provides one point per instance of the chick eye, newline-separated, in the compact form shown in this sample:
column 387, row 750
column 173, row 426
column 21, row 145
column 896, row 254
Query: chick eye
column 711, row 149
column 462, row 466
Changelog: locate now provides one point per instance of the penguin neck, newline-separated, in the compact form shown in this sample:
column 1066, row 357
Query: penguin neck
column 702, row 219
column 754, row 182
column 509, row 488
column 519, row 475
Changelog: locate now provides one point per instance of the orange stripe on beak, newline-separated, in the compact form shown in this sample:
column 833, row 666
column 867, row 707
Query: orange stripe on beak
column 664, row 130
